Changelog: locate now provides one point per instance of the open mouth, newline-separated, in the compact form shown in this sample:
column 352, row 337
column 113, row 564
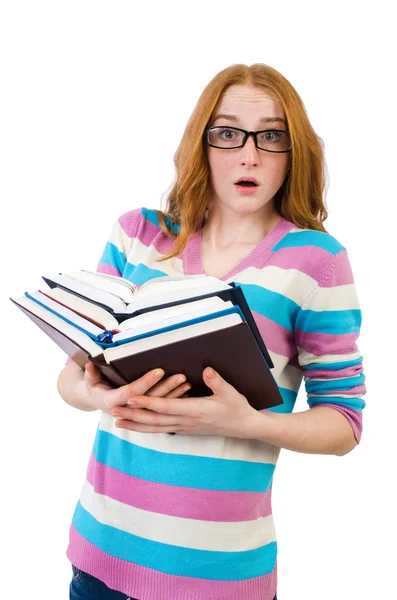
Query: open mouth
column 247, row 183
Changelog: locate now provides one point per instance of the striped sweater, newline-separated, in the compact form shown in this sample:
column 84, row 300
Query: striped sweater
column 189, row 517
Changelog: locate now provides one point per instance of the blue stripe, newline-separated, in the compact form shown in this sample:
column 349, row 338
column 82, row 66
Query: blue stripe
column 114, row 257
column 272, row 305
column 334, row 322
column 175, row 560
column 289, row 398
column 151, row 216
column 182, row 470
column 320, row 387
column 140, row 274
column 336, row 366
column 354, row 402
column 310, row 238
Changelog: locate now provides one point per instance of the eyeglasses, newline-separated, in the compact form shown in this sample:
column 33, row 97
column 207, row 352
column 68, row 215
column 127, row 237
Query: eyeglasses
column 228, row 138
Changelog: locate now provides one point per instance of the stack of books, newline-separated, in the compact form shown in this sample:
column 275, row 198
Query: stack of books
column 180, row 325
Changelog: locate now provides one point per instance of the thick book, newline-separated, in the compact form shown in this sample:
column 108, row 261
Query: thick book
column 176, row 338
column 115, row 305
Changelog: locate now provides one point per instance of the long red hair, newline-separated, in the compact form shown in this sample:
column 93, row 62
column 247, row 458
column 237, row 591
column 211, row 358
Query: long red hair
column 300, row 198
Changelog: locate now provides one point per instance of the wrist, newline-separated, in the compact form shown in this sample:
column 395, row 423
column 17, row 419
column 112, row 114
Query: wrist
column 253, row 426
column 90, row 400
column 261, row 425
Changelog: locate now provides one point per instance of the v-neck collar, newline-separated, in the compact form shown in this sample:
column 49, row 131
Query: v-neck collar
column 258, row 257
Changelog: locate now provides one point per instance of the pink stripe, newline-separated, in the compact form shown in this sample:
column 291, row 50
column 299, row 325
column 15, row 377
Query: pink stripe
column 108, row 270
column 129, row 220
column 302, row 260
column 352, row 371
column 277, row 338
column 340, row 273
column 151, row 235
column 147, row 584
column 189, row 503
column 326, row 343
column 134, row 224
column 354, row 417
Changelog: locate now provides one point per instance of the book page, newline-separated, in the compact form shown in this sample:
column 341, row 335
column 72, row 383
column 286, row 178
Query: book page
column 145, row 326
column 169, row 337
column 172, row 292
column 65, row 313
column 171, row 311
column 107, row 284
column 119, row 280
column 60, row 325
column 88, row 291
column 88, row 309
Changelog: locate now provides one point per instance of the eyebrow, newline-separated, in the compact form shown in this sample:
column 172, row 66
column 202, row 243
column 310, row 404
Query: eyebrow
column 263, row 120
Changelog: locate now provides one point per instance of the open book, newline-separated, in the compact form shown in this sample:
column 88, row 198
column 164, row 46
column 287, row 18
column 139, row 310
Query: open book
column 177, row 328
column 120, row 296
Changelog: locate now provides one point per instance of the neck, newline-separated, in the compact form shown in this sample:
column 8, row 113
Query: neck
column 223, row 228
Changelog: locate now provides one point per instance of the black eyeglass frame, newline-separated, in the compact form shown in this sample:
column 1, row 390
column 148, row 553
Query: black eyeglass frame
column 247, row 134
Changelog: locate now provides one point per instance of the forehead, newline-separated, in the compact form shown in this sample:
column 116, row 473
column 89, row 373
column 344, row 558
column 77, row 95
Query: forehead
column 244, row 101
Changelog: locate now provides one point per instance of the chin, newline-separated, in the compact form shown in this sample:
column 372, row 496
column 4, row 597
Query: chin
column 248, row 205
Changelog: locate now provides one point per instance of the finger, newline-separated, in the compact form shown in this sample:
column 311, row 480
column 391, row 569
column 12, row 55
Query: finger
column 140, row 386
column 148, row 417
column 92, row 375
column 179, row 392
column 215, row 382
column 131, row 426
column 170, row 406
column 165, row 386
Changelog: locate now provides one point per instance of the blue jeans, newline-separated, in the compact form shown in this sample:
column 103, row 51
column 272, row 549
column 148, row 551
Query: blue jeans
column 86, row 587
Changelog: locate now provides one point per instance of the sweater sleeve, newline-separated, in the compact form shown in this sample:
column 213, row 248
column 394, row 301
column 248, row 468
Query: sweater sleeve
column 114, row 256
column 327, row 328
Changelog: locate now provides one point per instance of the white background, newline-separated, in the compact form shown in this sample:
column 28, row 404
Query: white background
column 95, row 97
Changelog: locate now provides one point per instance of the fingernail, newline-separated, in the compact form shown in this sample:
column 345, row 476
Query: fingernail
column 180, row 380
column 158, row 373
column 210, row 372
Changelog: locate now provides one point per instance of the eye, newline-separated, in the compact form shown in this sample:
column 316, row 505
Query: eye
column 272, row 135
column 226, row 133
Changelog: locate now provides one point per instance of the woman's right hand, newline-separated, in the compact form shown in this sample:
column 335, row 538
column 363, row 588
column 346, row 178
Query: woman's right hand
column 105, row 397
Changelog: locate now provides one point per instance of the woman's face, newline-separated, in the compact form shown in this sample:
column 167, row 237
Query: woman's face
column 250, row 109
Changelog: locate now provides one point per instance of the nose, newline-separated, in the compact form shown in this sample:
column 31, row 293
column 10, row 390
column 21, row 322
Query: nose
column 249, row 152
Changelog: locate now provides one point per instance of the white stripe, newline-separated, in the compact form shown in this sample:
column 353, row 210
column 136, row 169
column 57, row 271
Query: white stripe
column 178, row 531
column 136, row 252
column 308, row 378
column 342, row 297
column 306, row 359
column 120, row 239
column 287, row 376
column 297, row 229
column 148, row 255
column 291, row 283
column 210, row 446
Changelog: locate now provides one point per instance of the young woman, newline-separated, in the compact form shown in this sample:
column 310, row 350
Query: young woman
column 188, row 516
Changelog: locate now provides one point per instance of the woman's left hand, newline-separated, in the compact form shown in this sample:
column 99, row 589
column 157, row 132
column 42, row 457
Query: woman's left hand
column 226, row 413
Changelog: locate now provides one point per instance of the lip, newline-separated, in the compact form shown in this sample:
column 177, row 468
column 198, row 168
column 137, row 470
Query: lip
column 247, row 179
column 246, row 190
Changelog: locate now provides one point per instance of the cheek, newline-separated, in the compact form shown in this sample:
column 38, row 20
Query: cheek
column 221, row 165
column 276, row 167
